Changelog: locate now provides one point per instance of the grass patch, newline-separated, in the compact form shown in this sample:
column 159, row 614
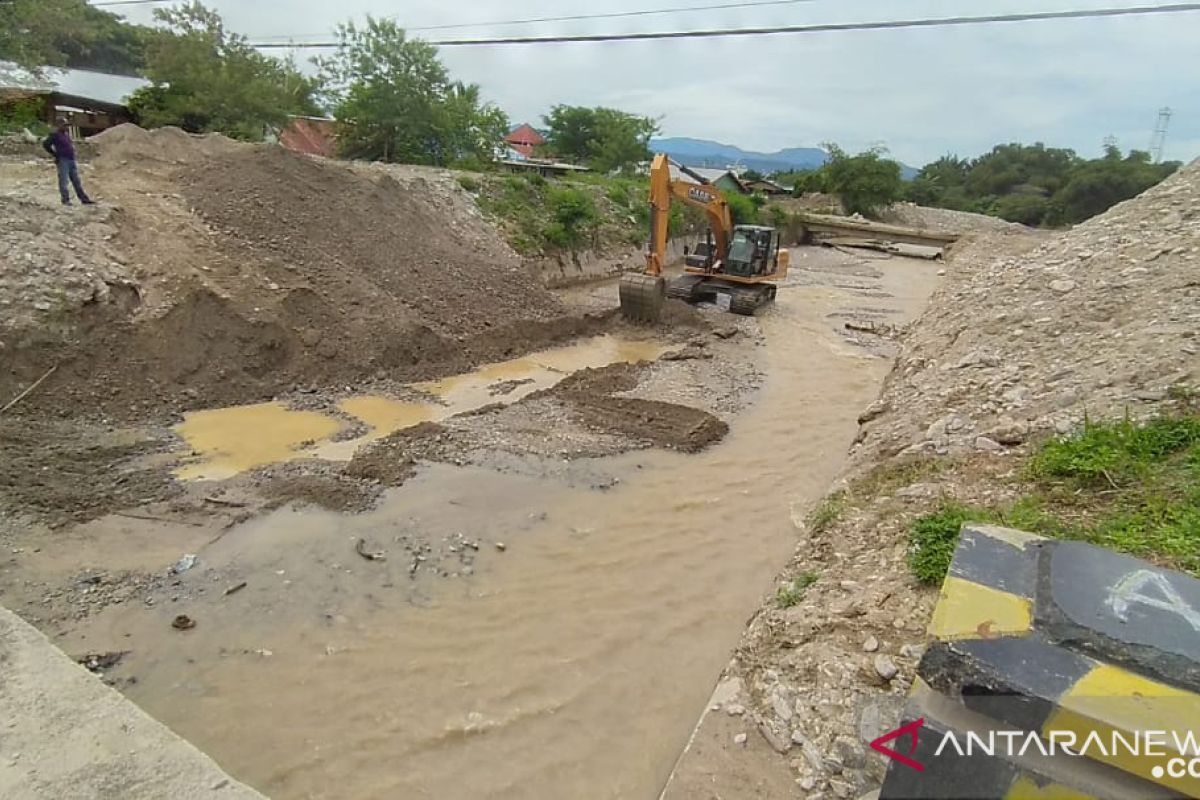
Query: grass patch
column 828, row 512
column 791, row 594
column 933, row 537
column 1117, row 454
column 469, row 183
column 1132, row 487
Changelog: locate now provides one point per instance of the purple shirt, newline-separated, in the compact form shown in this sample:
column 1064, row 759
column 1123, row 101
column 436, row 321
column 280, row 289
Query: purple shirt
column 58, row 144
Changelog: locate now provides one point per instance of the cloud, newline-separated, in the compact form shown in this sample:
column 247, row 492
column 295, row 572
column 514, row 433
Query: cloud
column 923, row 92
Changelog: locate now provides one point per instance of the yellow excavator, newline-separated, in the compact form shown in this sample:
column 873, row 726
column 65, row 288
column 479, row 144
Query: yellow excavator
column 741, row 261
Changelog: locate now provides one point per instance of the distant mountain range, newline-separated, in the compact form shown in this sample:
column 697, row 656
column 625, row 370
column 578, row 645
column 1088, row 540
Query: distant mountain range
column 706, row 153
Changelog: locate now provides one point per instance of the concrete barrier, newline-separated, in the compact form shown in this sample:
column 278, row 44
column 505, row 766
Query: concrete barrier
column 66, row 735
column 1055, row 669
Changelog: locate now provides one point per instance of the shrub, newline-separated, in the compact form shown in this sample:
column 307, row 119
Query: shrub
column 469, row 183
column 574, row 214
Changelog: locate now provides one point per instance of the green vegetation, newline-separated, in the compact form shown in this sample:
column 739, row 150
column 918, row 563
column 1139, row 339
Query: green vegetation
column 70, row 33
column 573, row 215
column 866, row 183
column 744, row 209
column 828, row 512
column 207, row 79
column 22, row 116
column 396, row 101
column 545, row 216
column 1035, row 184
column 579, row 211
column 1124, row 485
column 932, row 539
column 791, row 594
column 605, row 139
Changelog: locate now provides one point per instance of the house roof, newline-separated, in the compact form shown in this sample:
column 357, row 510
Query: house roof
column 710, row 175
column 525, row 134
column 768, row 184
column 313, row 135
column 85, row 84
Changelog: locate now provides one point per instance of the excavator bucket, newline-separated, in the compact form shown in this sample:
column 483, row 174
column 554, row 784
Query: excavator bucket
column 642, row 296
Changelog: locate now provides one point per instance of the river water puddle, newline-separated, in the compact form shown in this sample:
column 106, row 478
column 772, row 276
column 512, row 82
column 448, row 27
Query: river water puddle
column 228, row 441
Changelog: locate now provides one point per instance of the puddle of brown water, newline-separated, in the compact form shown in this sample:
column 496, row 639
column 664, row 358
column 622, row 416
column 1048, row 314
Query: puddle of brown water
column 232, row 440
column 227, row 441
column 572, row 665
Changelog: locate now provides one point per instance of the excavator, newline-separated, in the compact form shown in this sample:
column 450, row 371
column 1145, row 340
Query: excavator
column 741, row 261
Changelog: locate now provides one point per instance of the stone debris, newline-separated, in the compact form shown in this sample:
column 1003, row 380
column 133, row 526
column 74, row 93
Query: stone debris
column 1094, row 321
column 1029, row 335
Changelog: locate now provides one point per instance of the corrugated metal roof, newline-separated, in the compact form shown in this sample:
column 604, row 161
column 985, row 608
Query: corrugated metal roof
column 98, row 86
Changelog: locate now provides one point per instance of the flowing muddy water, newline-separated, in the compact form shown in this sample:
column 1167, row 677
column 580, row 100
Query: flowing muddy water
column 227, row 441
column 571, row 664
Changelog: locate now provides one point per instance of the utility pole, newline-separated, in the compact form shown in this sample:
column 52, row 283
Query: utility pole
column 1159, row 140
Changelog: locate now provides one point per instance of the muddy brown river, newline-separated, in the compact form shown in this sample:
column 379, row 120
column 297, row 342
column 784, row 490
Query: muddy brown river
column 573, row 663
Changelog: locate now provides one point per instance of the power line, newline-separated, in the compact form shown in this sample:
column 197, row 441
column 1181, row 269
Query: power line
column 129, row 2
column 576, row 17
column 823, row 28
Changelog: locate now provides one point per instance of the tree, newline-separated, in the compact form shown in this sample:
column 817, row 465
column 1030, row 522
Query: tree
column 70, row 33
column 395, row 101
column 603, row 138
column 208, row 79
column 1035, row 184
column 865, row 183
column 1016, row 167
column 1096, row 186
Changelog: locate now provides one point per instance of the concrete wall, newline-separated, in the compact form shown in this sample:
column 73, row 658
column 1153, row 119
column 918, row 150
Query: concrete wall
column 65, row 735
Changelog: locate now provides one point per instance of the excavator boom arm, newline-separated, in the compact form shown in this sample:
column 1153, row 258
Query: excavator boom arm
column 663, row 191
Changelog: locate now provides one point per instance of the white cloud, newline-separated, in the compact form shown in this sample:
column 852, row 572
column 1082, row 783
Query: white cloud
column 924, row 92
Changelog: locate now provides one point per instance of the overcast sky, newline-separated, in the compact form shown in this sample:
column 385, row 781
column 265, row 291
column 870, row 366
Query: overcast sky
column 923, row 93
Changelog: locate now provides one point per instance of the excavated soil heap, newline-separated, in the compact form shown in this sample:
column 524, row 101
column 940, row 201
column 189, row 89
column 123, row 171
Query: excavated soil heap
column 369, row 244
column 240, row 272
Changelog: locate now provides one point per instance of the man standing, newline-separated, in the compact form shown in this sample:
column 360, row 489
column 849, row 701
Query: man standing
column 59, row 145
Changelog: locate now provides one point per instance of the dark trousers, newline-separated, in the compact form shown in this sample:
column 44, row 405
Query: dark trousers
column 68, row 171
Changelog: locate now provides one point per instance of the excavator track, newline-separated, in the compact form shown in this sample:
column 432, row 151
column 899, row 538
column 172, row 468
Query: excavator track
column 689, row 288
column 748, row 300
column 642, row 296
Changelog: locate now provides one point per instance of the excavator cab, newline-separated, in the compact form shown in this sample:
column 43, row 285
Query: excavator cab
column 753, row 251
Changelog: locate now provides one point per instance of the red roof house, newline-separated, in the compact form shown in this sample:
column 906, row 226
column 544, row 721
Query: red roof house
column 312, row 135
column 523, row 139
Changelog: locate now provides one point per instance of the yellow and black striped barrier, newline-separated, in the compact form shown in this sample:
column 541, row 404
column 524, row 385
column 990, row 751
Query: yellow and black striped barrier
column 1055, row 669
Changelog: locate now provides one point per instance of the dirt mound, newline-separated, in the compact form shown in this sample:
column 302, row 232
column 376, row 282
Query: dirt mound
column 591, row 396
column 391, row 460
column 370, row 239
column 129, row 143
column 666, row 425
column 944, row 220
column 216, row 272
column 62, row 474
column 1096, row 321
